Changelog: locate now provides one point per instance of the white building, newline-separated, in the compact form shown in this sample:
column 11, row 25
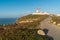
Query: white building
column 40, row 13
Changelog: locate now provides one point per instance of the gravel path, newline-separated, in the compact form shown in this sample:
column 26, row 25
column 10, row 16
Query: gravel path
column 54, row 31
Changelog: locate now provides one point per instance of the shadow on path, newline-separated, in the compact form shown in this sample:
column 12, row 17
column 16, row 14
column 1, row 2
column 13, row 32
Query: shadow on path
column 47, row 37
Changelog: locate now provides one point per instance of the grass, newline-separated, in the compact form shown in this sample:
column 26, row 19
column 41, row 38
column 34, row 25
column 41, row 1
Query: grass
column 23, row 31
column 33, row 24
column 22, row 34
column 56, row 19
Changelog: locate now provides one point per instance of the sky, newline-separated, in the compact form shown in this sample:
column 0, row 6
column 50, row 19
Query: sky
column 17, row 8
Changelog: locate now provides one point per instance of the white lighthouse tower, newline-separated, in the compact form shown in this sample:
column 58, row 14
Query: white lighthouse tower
column 37, row 11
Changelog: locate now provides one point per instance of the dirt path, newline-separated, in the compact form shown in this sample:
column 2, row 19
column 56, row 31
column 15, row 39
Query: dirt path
column 54, row 31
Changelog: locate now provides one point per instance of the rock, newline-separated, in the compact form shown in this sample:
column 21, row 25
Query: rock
column 40, row 32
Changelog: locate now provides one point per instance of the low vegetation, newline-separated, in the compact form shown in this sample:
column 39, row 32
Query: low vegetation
column 56, row 19
column 23, row 31
column 35, row 18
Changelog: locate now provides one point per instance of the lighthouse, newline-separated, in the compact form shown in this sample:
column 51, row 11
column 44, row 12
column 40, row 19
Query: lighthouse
column 37, row 11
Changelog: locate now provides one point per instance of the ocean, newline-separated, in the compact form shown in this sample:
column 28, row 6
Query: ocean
column 7, row 20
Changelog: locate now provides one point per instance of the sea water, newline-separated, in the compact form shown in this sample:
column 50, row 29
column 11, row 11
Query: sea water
column 7, row 20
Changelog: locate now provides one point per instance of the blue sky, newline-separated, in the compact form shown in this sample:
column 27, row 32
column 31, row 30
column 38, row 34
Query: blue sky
column 16, row 8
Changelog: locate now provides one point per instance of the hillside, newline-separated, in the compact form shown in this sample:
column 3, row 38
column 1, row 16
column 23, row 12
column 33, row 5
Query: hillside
column 56, row 20
column 31, row 21
column 25, row 28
